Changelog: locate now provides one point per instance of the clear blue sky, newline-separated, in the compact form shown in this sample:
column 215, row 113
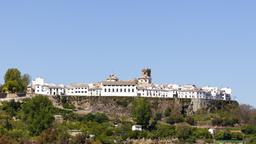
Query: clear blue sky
column 204, row 42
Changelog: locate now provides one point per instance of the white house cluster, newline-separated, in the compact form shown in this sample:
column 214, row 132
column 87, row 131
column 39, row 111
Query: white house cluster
column 140, row 87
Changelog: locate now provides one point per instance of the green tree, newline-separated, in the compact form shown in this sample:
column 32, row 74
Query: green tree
column 141, row 112
column 24, row 82
column 12, row 74
column 11, row 107
column 37, row 114
column 15, row 82
column 26, row 79
column 12, row 86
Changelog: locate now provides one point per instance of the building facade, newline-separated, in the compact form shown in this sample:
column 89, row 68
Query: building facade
column 140, row 87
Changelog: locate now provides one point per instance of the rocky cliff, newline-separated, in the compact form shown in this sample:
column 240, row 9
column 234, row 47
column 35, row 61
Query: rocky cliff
column 121, row 106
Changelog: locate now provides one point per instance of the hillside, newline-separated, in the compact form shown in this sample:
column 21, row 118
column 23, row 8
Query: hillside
column 118, row 107
column 110, row 119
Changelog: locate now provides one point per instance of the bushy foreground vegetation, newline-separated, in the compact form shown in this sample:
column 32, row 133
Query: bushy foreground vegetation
column 32, row 121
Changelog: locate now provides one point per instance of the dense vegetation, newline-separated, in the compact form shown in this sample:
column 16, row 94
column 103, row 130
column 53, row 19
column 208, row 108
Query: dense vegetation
column 32, row 121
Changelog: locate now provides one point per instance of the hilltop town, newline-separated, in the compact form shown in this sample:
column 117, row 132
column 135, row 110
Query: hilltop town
column 140, row 87
column 120, row 111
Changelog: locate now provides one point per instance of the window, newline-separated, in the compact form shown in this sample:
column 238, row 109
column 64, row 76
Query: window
column 124, row 90
column 117, row 90
column 109, row 90
column 113, row 90
column 105, row 90
column 132, row 90
column 121, row 90
column 129, row 90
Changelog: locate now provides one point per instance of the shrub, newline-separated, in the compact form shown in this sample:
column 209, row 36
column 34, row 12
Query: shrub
column 7, row 140
column 7, row 124
column 237, row 136
column 158, row 116
column 170, row 120
column 223, row 135
column 251, row 140
column 69, row 106
column 37, row 114
column 53, row 135
column 227, row 136
column 229, row 122
column 216, row 121
column 97, row 117
column 191, row 121
column 225, row 121
column 123, row 103
column 11, row 107
column 167, row 112
column 174, row 119
column 219, row 135
column 163, row 131
column 18, row 134
column 249, row 129
column 79, row 139
column 179, row 119
column 202, row 134
column 183, row 132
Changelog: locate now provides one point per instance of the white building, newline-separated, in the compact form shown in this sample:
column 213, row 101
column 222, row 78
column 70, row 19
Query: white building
column 95, row 90
column 191, row 92
column 40, row 87
column 57, row 90
column 79, row 89
column 226, row 93
column 142, row 87
column 152, row 91
column 115, row 87
column 136, row 128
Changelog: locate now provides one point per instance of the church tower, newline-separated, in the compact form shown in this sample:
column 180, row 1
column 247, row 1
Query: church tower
column 145, row 76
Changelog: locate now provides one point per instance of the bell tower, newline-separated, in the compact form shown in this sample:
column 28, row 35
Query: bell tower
column 145, row 76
